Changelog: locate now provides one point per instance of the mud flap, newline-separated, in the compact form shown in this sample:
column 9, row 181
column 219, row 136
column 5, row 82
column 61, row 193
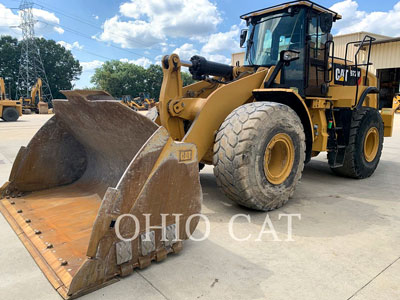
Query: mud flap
column 91, row 181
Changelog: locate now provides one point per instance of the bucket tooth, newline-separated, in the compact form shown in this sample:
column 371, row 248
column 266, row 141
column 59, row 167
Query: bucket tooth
column 92, row 163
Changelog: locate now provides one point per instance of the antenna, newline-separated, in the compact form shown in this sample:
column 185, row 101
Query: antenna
column 31, row 66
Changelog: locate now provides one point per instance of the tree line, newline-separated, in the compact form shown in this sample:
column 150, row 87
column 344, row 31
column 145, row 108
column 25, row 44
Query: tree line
column 62, row 69
column 60, row 65
column 123, row 78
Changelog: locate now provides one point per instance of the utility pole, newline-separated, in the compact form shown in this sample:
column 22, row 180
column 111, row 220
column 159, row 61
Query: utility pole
column 31, row 66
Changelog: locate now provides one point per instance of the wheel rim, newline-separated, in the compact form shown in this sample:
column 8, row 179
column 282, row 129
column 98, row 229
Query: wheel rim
column 279, row 158
column 371, row 144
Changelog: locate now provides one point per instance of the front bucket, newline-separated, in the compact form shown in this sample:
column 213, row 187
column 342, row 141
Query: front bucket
column 93, row 162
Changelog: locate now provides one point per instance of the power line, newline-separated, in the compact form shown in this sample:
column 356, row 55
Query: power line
column 105, row 57
column 81, row 34
column 91, row 38
column 88, row 23
column 31, row 66
column 85, row 36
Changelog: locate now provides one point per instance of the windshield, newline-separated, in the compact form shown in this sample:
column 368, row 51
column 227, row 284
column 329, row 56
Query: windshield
column 272, row 34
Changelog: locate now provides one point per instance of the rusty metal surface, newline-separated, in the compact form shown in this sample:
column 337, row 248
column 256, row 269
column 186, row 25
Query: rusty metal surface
column 93, row 161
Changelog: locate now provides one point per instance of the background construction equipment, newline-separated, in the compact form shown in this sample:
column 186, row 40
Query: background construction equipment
column 31, row 65
column 10, row 110
column 35, row 102
column 143, row 102
column 396, row 102
column 258, row 124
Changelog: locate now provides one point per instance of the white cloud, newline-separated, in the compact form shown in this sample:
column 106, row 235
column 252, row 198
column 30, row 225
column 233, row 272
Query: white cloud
column 186, row 51
column 91, row 65
column 223, row 41
column 157, row 60
column 95, row 17
column 155, row 21
column 44, row 19
column 68, row 46
column 355, row 20
column 59, row 30
column 47, row 22
column 164, row 47
column 7, row 19
column 143, row 61
column 214, row 46
column 176, row 18
column 130, row 34
column 40, row 14
column 219, row 58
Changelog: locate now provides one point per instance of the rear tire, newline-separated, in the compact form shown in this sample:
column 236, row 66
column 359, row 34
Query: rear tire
column 10, row 114
column 249, row 135
column 365, row 144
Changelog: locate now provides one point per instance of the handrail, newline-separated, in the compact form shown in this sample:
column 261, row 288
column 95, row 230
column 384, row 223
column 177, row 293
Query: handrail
column 361, row 44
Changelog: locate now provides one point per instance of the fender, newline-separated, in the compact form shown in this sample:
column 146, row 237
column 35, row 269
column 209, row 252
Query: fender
column 368, row 90
column 292, row 99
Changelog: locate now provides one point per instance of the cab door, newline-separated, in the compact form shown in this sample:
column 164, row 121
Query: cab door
column 319, row 42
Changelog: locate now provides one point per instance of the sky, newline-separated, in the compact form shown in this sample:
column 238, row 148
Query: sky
column 142, row 31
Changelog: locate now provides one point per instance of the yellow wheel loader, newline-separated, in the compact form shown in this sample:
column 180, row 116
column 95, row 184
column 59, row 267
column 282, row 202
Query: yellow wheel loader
column 101, row 189
column 10, row 110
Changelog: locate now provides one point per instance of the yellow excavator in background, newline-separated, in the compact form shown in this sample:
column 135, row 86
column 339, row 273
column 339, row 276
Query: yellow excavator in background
column 143, row 102
column 101, row 189
column 149, row 102
column 35, row 103
column 133, row 103
column 10, row 110
column 396, row 102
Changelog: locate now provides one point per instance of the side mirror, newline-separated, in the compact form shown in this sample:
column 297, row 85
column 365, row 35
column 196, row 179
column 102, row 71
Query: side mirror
column 243, row 36
column 289, row 56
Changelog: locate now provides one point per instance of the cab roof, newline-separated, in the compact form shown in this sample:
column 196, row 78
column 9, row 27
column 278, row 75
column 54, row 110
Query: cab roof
column 282, row 6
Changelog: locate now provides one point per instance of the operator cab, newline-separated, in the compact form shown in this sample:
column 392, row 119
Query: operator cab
column 295, row 37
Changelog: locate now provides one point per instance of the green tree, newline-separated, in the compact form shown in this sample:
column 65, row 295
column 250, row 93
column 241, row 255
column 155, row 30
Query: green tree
column 119, row 78
column 154, row 77
column 123, row 78
column 10, row 52
column 187, row 79
column 60, row 65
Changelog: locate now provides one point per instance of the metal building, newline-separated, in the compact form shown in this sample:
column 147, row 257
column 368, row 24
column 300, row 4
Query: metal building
column 385, row 59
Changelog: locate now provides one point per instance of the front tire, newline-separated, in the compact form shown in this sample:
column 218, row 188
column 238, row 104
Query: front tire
column 259, row 155
column 10, row 114
column 365, row 144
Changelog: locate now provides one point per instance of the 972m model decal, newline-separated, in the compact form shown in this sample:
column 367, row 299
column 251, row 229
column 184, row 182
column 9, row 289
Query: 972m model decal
column 347, row 76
